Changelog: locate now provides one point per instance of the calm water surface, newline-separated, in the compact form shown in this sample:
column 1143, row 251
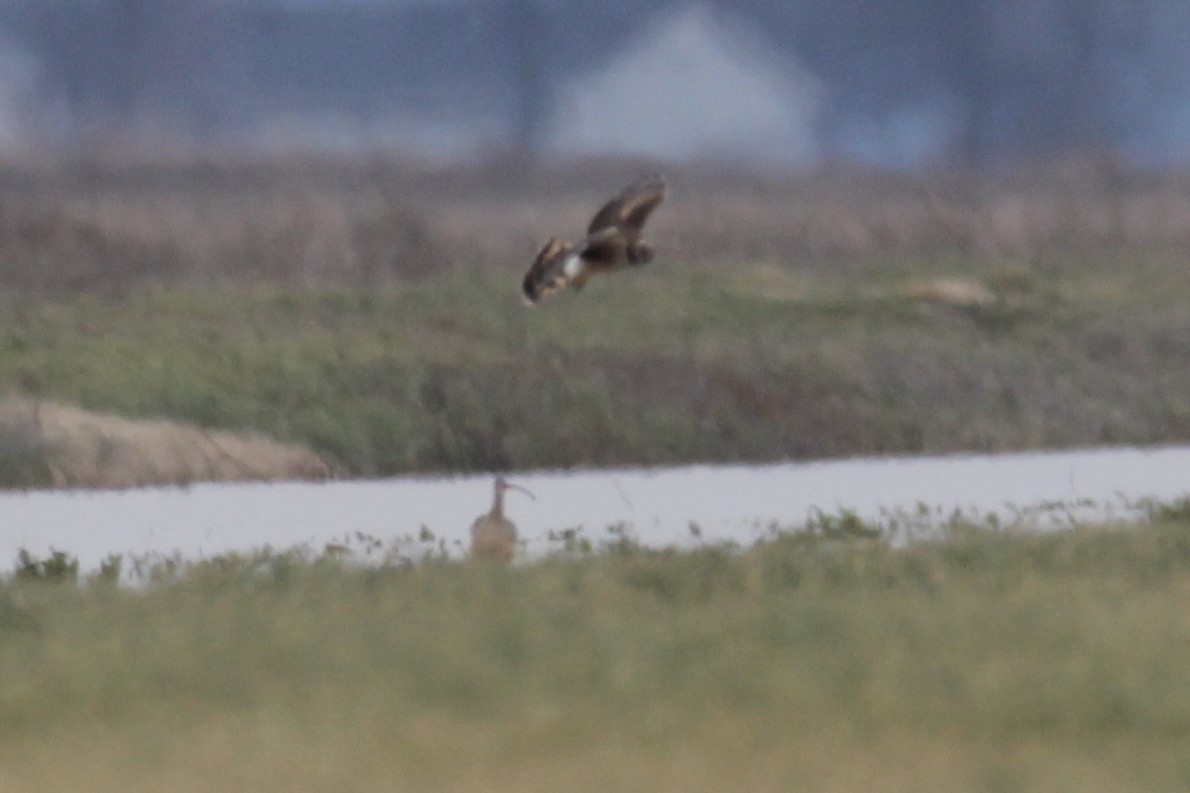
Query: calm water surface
column 657, row 506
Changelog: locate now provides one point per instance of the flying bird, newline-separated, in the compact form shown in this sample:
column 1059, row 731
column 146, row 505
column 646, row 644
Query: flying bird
column 493, row 536
column 613, row 242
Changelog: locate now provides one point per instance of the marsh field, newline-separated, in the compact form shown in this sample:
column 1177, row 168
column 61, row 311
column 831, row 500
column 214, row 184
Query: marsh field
column 361, row 319
column 369, row 312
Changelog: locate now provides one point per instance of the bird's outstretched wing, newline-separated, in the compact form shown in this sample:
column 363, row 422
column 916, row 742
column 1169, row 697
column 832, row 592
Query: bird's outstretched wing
column 617, row 227
column 556, row 267
column 626, row 214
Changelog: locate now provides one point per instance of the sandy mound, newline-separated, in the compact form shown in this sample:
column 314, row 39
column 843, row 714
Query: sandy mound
column 45, row 443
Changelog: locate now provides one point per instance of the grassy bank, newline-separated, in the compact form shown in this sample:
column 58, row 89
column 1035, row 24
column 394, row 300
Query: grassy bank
column 371, row 311
column 676, row 363
column 983, row 662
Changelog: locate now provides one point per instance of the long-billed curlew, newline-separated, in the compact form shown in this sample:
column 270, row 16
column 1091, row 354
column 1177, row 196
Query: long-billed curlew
column 493, row 536
column 613, row 242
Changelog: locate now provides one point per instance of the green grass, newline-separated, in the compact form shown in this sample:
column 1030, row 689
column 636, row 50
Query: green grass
column 986, row 661
column 671, row 363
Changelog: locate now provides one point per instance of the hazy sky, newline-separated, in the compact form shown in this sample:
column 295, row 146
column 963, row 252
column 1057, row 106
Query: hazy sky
column 783, row 80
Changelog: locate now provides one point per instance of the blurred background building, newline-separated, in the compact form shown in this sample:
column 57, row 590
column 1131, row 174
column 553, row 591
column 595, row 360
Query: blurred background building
column 783, row 81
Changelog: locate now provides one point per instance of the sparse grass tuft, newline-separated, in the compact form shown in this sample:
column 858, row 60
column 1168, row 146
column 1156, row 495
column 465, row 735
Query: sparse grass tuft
column 1178, row 510
column 59, row 566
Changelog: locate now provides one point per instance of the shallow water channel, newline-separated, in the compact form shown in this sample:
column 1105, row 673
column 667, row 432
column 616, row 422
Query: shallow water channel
column 739, row 503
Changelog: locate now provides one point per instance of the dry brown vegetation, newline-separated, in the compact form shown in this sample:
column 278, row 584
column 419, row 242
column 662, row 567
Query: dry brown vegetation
column 103, row 225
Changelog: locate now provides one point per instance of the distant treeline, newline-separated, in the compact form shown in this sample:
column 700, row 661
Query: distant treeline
column 980, row 81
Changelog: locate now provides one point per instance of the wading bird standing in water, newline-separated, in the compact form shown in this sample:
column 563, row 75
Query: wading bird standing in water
column 613, row 242
column 493, row 536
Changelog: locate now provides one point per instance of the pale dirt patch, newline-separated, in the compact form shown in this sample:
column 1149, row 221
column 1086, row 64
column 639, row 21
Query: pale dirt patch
column 958, row 292
column 85, row 449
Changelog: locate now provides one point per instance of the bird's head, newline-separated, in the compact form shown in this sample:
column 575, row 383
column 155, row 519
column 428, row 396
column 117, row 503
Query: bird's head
column 503, row 485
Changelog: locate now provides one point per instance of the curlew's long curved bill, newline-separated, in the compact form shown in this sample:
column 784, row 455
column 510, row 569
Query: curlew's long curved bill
column 511, row 486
